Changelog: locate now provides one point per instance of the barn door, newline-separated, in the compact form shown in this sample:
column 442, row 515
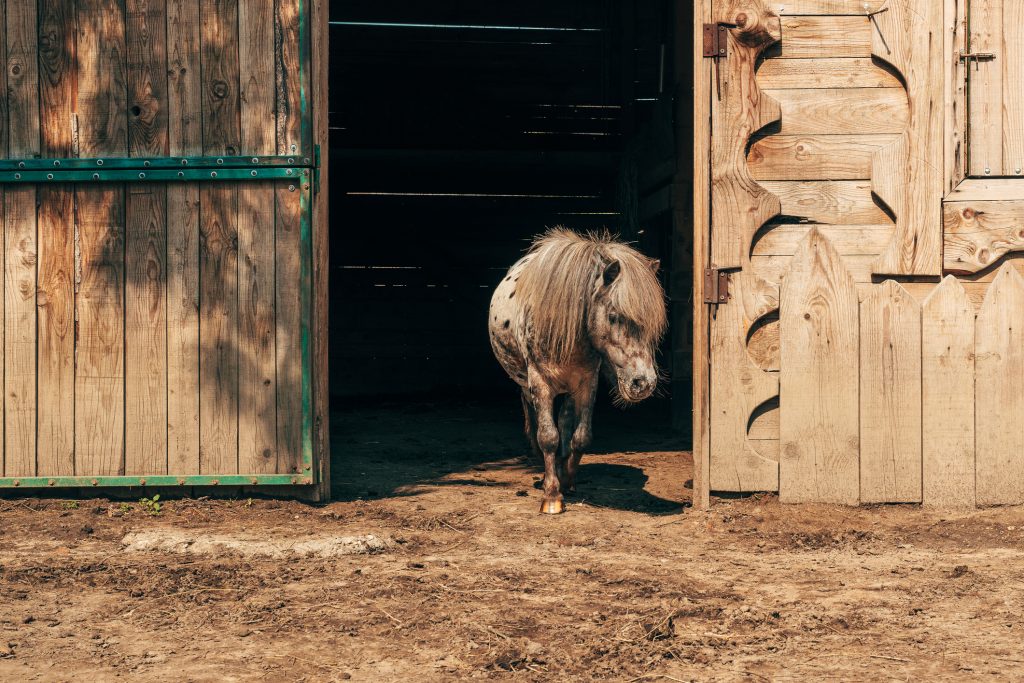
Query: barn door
column 825, row 169
column 157, row 170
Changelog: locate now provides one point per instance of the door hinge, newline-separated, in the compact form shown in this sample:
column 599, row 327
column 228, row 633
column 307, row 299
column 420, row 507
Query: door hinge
column 716, row 47
column 966, row 57
column 716, row 286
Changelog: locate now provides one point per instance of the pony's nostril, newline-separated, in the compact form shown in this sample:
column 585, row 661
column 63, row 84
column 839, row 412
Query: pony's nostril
column 639, row 383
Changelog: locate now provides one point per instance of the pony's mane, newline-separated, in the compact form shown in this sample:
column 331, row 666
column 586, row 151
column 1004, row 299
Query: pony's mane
column 556, row 282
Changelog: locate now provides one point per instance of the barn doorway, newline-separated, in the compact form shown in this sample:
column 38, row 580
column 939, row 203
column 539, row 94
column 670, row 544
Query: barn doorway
column 459, row 130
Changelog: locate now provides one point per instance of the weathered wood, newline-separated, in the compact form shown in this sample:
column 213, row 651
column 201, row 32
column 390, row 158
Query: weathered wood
column 20, row 256
column 739, row 205
column 288, row 337
column 907, row 175
column 1011, row 57
column 819, row 427
column 814, row 157
column 848, row 240
column 99, row 350
column 830, row 7
column 987, row 189
column 147, row 77
column 890, row 396
column 288, row 89
column 977, row 234
column 773, row 269
column 184, row 82
column 828, row 201
column 740, row 387
column 986, row 88
column 831, row 36
column 22, row 93
column 182, row 324
column 999, row 378
column 955, row 97
column 218, row 325
column 824, row 72
column 5, row 124
column 319, row 77
column 221, row 105
column 56, row 77
column 837, row 111
column 146, row 331
column 102, row 85
column 947, row 394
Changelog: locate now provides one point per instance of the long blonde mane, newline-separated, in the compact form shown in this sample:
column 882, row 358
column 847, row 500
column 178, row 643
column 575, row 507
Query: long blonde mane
column 556, row 286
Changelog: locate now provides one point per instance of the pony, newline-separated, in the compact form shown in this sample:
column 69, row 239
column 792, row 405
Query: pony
column 574, row 307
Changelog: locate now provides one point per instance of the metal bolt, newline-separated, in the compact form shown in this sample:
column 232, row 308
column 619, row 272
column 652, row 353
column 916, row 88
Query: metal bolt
column 213, row 174
column 255, row 160
column 1017, row 170
column 289, row 172
column 291, row 188
column 255, row 480
column 21, row 164
column 56, row 163
column 294, row 148
column 291, row 161
column 17, row 176
column 184, row 162
column 181, row 174
column 142, row 482
column 220, row 161
column 49, row 176
column 146, row 164
column 181, row 482
column 95, row 482
column 253, row 173
column 99, row 162
column 17, row 483
column 95, row 176
column 295, row 480
column 988, row 171
column 215, row 482
column 52, row 482
column 142, row 176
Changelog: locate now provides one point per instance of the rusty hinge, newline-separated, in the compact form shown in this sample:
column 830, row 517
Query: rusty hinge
column 716, row 286
column 966, row 57
column 716, row 47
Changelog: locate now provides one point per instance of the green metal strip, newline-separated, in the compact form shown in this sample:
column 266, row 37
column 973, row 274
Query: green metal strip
column 151, row 175
column 306, row 303
column 67, row 164
column 156, row 480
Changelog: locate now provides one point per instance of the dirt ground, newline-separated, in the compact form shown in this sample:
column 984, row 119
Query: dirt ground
column 628, row 585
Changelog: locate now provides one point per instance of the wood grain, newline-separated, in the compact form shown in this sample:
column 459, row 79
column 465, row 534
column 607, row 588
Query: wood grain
column 848, row 240
column 955, row 97
column 5, row 123
column 828, row 36
column 890, row 396
column 218, row 325
column 830, row 7
column 289, row 321
column 947, row 394
column 146, row 331
column 184, row 82
column 99, row 351
column 999, row 379
column 56, row 77
column 814, row 157
column 288, row 91
column 977, row 234
column 907, row 175
column 147, row 77
column 20, row 257
column 986, row 88
column 829, row 201
column 221, row 104
column 102, row 85
column 838, row 111
column 819, row 427
column 824, row 72
column 23, row 57
column 1011, row 57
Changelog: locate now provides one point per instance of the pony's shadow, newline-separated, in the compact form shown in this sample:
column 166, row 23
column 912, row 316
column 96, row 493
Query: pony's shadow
column 619, row 487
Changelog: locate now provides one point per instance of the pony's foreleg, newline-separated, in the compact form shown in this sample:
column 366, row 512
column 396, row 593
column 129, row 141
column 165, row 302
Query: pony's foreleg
column 547, row 438
column 583, row 406
column 530, row 425
column 566, row 428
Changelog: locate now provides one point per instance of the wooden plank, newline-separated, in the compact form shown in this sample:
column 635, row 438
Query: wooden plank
column 814, row 157
column 289, row 341
column 827, row 7
column 999, row 402
column 838, row 111
column 288, row 62
column 987, row 189
column 218, row 325
column 955, row 111
column 99, row 351
column 773, row 269
column 824, row 72
column 985, row 92
column 977, row 234
column 20, row 257
column 184, row 82
column 890, row 396
column 701, row 70
column 56, row 77
column 257, row 362
column 739, row 205
column 907, row 175
column 5, row 124
column 146, row 331
column 102, row 84
column 147, row 78
column 819, row 427
column 828, row 201
column 740, row 387
column 182, row 325
column 1011, row 57
column 55, row 355
column 22, row 33
column 221, row 104
column 947, row 395
column 827, row 36
column 848, row 240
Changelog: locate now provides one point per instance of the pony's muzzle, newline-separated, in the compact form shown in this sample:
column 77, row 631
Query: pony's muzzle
column 639, row 388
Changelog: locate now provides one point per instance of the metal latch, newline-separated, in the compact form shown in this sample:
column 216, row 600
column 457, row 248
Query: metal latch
column 716, row 47
column 977, row 57
column 716, row 286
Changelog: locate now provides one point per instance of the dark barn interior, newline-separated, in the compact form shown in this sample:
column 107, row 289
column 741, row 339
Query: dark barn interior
column 459, row 130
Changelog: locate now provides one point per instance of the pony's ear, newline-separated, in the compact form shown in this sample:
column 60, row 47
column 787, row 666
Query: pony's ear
column 611, row 272
column 655, row 265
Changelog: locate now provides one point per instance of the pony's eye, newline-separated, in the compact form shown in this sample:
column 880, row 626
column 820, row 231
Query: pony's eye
column 612, row 318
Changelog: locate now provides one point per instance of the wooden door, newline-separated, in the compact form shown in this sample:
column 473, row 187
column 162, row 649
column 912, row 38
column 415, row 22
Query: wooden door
column 157, row 168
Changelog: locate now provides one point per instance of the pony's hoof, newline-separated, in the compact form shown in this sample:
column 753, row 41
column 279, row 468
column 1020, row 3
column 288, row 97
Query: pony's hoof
column 552, row 507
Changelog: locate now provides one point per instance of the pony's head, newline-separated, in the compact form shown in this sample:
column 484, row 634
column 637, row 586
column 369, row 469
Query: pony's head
column 626, row 319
